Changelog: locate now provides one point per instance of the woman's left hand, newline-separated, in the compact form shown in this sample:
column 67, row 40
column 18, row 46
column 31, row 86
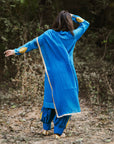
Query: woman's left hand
column 9, row 53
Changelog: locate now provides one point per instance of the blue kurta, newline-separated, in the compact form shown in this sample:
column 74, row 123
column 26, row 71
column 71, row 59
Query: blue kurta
column 57, row 51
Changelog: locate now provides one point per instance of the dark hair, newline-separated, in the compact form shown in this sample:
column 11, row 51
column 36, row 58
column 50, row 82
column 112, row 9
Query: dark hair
column 63, row 22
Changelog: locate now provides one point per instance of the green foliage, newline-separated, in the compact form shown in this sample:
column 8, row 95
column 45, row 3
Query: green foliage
column 111, row 38
column 22, row 1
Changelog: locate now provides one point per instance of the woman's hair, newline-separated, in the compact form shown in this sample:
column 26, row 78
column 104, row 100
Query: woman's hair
column 63, row 22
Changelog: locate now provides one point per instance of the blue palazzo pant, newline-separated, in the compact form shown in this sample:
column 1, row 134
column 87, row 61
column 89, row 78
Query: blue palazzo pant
column 48, row 115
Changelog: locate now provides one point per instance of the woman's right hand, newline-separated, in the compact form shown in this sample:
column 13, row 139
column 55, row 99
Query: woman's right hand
column 9, row 53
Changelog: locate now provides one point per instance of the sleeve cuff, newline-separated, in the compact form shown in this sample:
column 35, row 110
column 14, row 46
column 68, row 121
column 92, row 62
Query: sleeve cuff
column 16, row 52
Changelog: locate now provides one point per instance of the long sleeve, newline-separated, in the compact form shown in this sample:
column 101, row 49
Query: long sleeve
column 30, row 45
column 26, row 47
column 83, row 25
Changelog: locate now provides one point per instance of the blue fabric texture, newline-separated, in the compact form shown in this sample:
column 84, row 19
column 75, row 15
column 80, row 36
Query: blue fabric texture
column 49, row 115
column 57, row 50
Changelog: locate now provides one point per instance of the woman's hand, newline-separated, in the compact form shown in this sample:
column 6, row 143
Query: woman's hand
column 71, row 14
column 9, row 53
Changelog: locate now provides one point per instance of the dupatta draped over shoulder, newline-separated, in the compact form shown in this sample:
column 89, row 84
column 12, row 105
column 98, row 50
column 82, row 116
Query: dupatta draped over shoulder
column 61, row 84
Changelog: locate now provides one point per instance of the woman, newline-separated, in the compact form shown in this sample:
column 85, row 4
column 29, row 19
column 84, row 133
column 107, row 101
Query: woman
column 56, row 47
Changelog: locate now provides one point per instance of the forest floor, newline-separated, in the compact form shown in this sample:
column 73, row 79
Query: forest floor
column 20, row 124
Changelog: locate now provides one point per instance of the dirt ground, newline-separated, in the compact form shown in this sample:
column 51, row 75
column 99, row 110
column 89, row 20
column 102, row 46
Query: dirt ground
column 20, row 124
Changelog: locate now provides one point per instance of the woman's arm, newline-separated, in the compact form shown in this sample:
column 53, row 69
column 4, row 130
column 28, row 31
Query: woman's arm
column 26, row 47
column 22, row 49
column 83, row 25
